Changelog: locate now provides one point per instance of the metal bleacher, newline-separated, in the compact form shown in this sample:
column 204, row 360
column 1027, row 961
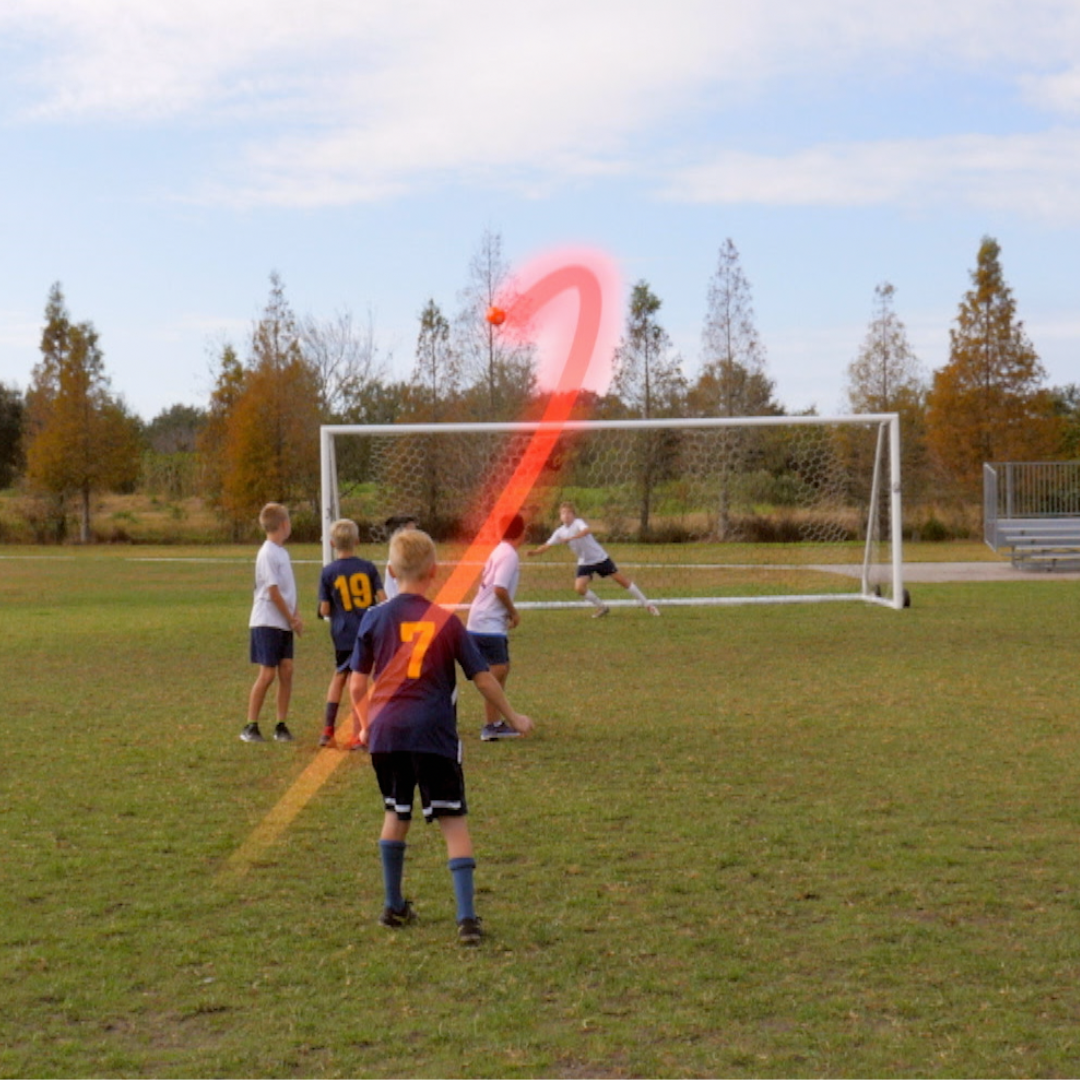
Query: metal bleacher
column 1031, row 512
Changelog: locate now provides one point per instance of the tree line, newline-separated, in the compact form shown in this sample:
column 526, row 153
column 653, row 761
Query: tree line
column 70, row 437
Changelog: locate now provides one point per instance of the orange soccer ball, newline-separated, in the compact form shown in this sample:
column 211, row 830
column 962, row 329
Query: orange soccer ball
column 496, row 316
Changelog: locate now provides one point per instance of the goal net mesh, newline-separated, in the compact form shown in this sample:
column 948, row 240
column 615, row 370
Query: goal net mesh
column 695, row 512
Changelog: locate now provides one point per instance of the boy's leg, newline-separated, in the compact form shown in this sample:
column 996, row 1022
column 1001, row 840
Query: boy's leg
column 491, row 714
column 581, row 584
column 392, row 853
column 263, row 681
column 284, row 690
column 459, row 851
column 636, row 593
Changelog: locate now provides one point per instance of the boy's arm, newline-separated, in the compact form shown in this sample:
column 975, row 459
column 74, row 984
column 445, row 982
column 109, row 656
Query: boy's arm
column 278, row 601
column 489, row 687
column 551, row 542
column 358, row 692
column 507, row 602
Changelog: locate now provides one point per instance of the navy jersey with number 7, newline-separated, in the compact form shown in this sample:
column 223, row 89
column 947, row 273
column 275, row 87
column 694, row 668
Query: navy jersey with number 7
column 411, row 647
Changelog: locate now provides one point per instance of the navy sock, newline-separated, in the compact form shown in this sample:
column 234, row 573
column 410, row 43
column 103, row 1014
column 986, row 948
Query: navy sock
column 393, row 868
column 331, row 713
column 461, row 873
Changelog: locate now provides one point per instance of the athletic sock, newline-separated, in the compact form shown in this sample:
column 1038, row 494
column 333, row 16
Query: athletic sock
column 331, row 713
column 461, row 873
column 393, row 869
column 593, row 598
column 637, row 594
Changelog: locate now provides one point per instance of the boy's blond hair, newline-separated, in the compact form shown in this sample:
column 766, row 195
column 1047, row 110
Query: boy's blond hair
column 344, row 534
column 567, row 505
column 412, row 554
column 272, row 517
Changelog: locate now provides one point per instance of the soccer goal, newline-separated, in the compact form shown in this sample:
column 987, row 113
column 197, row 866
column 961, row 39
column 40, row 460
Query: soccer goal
column 697, row 511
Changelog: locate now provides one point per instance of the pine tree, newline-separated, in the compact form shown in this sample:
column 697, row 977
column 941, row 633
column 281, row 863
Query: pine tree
column 987, row 404
column 648, row 382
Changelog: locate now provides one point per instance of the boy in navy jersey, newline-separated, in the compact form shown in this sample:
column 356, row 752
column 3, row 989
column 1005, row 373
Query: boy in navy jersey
column 411, row 648
column 348, row 586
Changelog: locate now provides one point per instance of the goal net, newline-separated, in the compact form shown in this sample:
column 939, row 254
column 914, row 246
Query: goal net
column 696, row 511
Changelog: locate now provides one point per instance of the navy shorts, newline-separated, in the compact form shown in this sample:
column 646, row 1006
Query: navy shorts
column 494, row 648
column 440, row 780
column 270, row 645
column 601, row 569
column 341, row 659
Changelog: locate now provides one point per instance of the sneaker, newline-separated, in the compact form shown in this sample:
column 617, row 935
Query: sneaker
column 469, row 932
column 601, row 611
column 282, row 734
column 356, row 744
column 327, row 736
column 251, row 733
column 395, row 919
column 652, row 609
column 501, row 730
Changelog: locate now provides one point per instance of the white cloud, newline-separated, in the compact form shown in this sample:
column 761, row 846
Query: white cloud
column 334, row 101
column 1034, row 175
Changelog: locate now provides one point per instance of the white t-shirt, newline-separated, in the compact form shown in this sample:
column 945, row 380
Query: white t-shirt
column 487, row 615
column 587, row 548
column 272, row 567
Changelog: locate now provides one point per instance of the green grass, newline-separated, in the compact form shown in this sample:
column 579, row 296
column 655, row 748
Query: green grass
column 799, row 841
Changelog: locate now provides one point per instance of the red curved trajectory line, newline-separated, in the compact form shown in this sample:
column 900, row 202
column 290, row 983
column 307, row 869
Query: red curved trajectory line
column 593, row 278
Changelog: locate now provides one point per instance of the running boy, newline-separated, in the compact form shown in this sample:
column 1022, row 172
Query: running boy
column 348, row 586
column 591, row 559
column 492, row 616
column 274, row 620
column 410, row 647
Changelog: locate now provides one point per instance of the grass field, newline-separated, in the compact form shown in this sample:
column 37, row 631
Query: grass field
column 826, row 840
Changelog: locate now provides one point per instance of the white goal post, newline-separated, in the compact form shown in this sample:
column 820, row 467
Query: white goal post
column 775, row 509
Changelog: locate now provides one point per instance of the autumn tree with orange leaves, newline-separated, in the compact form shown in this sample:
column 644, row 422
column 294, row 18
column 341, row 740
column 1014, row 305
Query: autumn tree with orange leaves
column 80, row 439
column 268, row 432
column 987, row 403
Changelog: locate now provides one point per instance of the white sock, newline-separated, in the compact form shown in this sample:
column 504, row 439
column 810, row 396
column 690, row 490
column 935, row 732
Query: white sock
column 593, row 598
column 637, row 594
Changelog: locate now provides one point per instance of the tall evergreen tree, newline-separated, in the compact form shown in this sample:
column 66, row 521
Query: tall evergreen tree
column 988, row 404
column 648, row 382
column 80, row 439
column 647, row 375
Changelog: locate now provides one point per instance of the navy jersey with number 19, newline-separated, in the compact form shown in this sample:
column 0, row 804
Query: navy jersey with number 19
column 411, row 647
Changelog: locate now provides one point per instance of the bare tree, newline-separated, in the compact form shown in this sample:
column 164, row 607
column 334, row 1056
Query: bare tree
column 346, row 359
column 502, row 376
column 733, row 380
column 886, row 373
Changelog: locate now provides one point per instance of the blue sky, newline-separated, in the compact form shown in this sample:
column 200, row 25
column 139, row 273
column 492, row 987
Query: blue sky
column 161, row 159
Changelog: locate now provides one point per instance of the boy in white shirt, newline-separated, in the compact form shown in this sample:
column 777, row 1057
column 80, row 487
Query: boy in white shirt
column 492, row 616
column 591, row 559
column 274, row 620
